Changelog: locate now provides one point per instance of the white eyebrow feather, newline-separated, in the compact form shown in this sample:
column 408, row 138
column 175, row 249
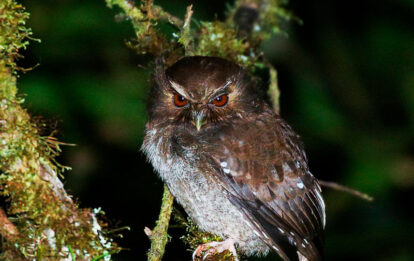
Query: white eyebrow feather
column 180, row 90
column 215, row 92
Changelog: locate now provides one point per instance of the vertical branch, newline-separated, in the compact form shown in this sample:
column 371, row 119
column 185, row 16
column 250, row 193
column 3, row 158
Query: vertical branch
column 273, row 90
column 159, row 236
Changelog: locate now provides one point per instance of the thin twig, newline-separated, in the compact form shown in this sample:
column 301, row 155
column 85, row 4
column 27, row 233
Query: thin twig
column 186, row 38
column 159, row 235
column 152, row 12
column 354, row 192
column 188, row 15
column 160, row 14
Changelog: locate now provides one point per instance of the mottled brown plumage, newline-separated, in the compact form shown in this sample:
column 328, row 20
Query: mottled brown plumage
column 235, row 166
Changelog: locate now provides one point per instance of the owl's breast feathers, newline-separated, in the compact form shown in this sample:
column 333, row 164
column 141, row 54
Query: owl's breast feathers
column 261, row 163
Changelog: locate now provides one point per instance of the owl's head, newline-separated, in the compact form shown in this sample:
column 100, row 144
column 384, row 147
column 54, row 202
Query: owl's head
column 201, row 92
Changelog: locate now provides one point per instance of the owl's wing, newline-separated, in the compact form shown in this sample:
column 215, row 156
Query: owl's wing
column 263, row 167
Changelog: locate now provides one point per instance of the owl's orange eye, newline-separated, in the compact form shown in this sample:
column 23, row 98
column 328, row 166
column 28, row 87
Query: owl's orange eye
column 221, row 100
column 179, row 100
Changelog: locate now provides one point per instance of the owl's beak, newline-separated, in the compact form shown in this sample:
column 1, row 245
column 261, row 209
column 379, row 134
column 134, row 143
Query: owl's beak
column 199, row 120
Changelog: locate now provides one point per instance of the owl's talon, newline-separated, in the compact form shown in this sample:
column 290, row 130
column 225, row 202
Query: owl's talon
column 214, row 247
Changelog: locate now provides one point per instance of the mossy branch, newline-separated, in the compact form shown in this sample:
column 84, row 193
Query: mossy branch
column 159, row 236
column 43, row 219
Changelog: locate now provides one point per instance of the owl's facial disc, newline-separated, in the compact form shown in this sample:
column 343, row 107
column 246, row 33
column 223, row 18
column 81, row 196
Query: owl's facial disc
column 201, row 109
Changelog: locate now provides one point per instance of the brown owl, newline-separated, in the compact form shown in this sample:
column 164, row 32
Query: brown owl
column 235, row 166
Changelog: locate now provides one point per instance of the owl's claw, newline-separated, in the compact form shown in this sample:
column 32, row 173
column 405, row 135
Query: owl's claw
column 213, row 248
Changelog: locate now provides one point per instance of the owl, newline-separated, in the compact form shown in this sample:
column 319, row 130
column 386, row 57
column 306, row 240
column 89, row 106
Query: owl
column 237, row 168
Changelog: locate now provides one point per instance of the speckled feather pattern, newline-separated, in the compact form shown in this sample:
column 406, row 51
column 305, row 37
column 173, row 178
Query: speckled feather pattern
column 244, row 175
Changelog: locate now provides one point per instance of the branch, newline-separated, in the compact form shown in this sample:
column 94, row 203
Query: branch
column 348, row 190
column 159, row 236
column 160, row 14
column 273, row 91
column 144, row 20
column 185, row 38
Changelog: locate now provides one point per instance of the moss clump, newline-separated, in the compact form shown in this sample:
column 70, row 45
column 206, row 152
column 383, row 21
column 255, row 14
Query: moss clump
column 194, row 236
column 218, row 39
column 14, row 33
column 144, row 19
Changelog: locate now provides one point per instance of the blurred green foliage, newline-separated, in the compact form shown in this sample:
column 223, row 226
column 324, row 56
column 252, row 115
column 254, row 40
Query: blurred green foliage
column 347, row 87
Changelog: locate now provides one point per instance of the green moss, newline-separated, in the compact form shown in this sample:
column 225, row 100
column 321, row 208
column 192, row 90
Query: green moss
column 194, row 236
column 46, row 217
column 14, row 33
column 149, row 40
column 219, row 39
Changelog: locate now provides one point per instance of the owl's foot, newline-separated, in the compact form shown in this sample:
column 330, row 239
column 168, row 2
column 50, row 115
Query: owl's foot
column 214, row 248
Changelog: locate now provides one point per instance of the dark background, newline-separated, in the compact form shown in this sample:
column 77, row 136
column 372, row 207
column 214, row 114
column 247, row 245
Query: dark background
column 347, row 83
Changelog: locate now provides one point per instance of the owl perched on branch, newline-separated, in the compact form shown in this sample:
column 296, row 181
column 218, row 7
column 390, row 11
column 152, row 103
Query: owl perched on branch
column 235, row 166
